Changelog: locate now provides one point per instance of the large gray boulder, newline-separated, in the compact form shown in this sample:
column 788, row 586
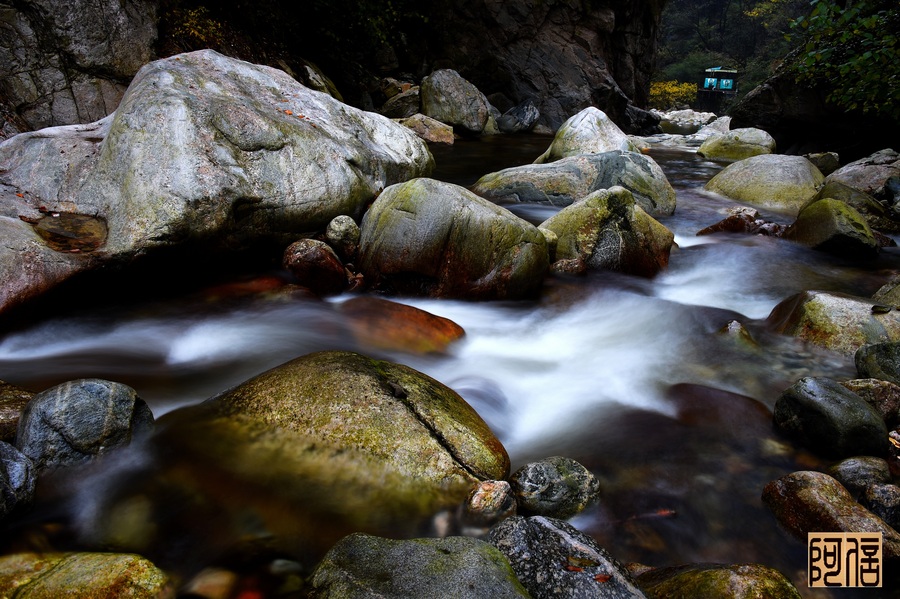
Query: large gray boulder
column 607, row 230
column 830, row 419
column 877, row 215
column 588, row 132
column 564, row 181
column 204, row 149
column 737, row 144
column 74, row 422
column 364, row 566
column 438, row 239
column 64, row 62
column 877, row 175
column 775, row 181
column 450, row 99
column 838, row 322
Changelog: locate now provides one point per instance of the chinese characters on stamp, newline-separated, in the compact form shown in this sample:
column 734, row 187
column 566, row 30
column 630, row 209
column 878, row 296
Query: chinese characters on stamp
column 844, row 559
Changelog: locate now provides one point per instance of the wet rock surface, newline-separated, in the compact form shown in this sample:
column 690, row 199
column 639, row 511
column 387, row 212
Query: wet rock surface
column 740, row 581
column 557, row 487
column 17, row 480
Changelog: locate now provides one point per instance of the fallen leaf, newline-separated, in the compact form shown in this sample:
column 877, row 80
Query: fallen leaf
column 288, row 112
column 574, row 569
column 21, row 195
column 602, row 577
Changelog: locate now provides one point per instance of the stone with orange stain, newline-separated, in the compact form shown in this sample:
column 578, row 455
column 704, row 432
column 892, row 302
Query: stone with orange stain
column 383, row 324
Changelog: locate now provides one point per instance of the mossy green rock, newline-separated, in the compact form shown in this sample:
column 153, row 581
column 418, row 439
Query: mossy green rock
column 426, row 237
column 588, row 132
column 81, row 575
column 378, row 442
column 568, row 180
column 832, row 226
column 876, row 214
column 737, row 144
column 364, row 566
column 714, row 581
column 838, row 322
column 608, row 230
column 774, row 181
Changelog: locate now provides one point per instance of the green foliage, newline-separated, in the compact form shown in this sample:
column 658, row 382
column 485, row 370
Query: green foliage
column 666, row 94
column 853, row 50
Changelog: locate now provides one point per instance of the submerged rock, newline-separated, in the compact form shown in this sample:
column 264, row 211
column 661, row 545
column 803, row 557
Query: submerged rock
column 429, row 129
column 554, row 559
column 833, row 226
column 808, row 501
column 557, row 487
column 76, row 421
column 364, row 566
column 426, row 237
column 608, row 230
column 33, row 576
column 588, row 132
column 449, row 98
column 772, row 181
column 712, row 581
column 737, row 144
column 830, row 419
column 568, row 180
column 841, row 323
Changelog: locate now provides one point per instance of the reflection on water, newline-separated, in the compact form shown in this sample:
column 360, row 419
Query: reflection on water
column 632, row 377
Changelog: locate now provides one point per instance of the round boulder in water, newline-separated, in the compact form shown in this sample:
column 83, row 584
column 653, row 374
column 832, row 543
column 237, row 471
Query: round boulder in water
column 830, row 419
column 557, row 487
column 362, row 566
column 877, row 175
column 859, row 472
column 316, row 266
column 736, row 581
column 590, row 131
column 519, row 118
column 449, row 98
column 774, row 181
column 883, row 500
column 342, row 234
column 426, row 237
column 879, row 361
column 832, row 226
column 73, row 422
column 737, row 144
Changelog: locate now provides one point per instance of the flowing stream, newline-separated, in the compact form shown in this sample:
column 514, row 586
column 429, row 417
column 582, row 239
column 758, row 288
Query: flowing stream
column 633, row 377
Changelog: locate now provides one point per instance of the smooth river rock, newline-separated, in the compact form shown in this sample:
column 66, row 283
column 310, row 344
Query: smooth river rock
column 557, row 487
column 364, row 566
column 836, row 227
column 588, row 132
column 568, row 180
column 877, row 175
column 714, row 581
column 426, row 237
column 737, row 144
column 774, row 181
column 447, row 97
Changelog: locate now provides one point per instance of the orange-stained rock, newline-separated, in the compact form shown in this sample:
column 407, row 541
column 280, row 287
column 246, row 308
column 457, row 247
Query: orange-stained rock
column 383, row 324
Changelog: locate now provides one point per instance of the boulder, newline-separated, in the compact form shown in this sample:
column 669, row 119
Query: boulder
column 402, row 105
column 432, row 238
column 557, row 487
column 883, row 500
column 838, row 322
column 363, row 566
column 856, row 474
column 737, row 144
column 832, row 226
column 567, row 180
column 879, row 361
column 297, row 457
column 519, row 118
column 17, row 480
column 450, row 99
column 808, row 501
column 876, row 214
column 882, row 395
column 828, row 418
column 76, row 421
column 877, row 175
column 826, row 162
column 487, row 504
column 588, row 132
column 608, row 230
column 204, row 151
column 385, row 325
column 784, row 183
column 711, row 581
column 889, row 293
column 429, row 129
column 554, row 559
column 315, row 266
column 12, row 402
column 37, row 575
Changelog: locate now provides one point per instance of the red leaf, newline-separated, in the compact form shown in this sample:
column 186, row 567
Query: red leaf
column 602, row 577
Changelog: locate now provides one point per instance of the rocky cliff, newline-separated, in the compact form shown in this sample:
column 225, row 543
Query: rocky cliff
column 69, row 61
